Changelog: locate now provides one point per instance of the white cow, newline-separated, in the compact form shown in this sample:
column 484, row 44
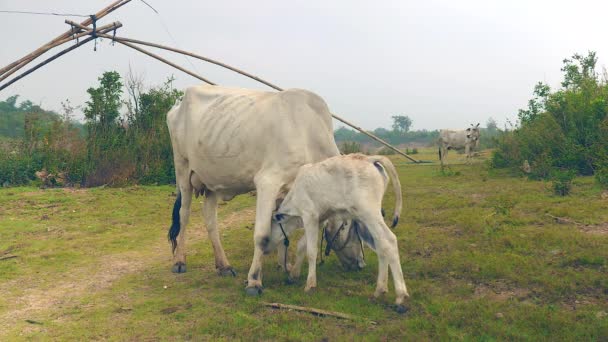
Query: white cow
column 348, row 187
column 228, row 142
column 450, row 139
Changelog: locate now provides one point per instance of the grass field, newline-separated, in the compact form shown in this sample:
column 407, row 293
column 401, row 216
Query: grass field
column 483, row 255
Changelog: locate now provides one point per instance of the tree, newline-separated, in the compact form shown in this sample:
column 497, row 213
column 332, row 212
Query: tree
column 401, row 124
column 103, row 107
column 491, row 125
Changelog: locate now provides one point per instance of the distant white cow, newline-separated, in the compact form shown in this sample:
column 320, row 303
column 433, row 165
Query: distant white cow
column 228, row 142
column 348, row 187
column 450, row 139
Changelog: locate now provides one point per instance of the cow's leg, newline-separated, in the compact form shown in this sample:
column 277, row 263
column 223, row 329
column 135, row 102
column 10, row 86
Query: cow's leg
column 210, row 216
column 311, row 228
column 444, row 154
column 267, row 192
column 185, row 199
column 467, row 152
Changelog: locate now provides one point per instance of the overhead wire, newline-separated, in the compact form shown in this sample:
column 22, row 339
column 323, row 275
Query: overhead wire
column 45, row 13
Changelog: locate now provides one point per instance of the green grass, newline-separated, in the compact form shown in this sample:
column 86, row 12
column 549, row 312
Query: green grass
column 481, row 258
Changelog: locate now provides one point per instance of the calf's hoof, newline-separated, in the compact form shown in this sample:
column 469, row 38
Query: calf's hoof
column 179, row 267
column 253, row 291
column 401, row 309
column 310, row 289
column 226, row 271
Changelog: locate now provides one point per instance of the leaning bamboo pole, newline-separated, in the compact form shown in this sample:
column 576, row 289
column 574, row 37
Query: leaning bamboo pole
column 126, row 42
column 62, row 38
column 104, row 29
column 101, row 34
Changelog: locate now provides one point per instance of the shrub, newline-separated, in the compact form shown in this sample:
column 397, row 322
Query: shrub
column 385, row 151
column 562, row 181
column 562, row 130
column 349, row 147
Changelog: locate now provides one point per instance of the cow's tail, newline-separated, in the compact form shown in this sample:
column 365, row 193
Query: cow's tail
column 394, row 178
column 440, row 153
column 175, row 224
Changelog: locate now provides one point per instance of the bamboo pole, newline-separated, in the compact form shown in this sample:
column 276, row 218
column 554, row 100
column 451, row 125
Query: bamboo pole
column 121, row 41
column 18, row 64
column 126, row 41
column 59, row 54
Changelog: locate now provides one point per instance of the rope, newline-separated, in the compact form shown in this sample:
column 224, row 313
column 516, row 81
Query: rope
column 94, row 33
column 45, row 13
column 286, row 243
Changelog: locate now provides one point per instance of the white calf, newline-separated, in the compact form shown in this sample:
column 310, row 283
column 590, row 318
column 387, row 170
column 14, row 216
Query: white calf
column 348, row 187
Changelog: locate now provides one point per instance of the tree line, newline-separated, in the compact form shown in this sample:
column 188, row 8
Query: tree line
column 110, row 148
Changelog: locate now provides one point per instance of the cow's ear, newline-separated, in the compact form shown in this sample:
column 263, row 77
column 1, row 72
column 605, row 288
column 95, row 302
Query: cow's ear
column 469, row 129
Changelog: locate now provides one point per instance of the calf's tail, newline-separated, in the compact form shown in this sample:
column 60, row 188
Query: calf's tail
column 394, row 178
column 175, row 224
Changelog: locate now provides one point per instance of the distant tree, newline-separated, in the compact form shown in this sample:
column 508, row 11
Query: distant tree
column 401, row 124
column 491, row 125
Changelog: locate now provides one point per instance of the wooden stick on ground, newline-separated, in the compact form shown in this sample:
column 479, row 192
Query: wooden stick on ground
column 6, row 257
column 314, row 311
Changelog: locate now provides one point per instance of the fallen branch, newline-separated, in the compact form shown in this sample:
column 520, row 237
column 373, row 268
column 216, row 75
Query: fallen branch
column 564, row 220
column 313, row 311
column 6, row 257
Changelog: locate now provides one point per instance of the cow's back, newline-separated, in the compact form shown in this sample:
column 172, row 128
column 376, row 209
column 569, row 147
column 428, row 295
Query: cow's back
column 230, row 135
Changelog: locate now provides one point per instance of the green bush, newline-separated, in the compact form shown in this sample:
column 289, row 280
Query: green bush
column 562, row 181
column 562, row 130
column 348, row 147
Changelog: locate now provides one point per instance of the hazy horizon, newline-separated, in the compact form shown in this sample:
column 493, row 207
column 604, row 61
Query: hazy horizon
column 443, row 64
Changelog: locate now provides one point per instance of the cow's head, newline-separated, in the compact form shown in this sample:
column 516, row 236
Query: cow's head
column 344, row 238
column 340, row 236
column 473, row 133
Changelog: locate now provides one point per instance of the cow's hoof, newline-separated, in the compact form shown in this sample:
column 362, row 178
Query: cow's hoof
column 179, row 267
column 253, row 291
column 228, row 271
column 401, row 309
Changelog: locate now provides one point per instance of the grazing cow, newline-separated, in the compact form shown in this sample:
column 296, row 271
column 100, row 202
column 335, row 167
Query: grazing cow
column 348, row 187
column 456, row 140
column 229, row 141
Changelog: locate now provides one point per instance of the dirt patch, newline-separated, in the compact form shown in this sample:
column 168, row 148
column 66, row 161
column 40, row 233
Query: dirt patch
column 39, row 300
column 66, row 292
column 501, row 292
column 598, row 229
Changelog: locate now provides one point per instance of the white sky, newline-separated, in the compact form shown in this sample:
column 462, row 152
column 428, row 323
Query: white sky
column 443, row 63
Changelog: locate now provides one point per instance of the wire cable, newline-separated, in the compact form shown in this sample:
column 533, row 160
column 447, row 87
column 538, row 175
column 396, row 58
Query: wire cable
column 45, row 13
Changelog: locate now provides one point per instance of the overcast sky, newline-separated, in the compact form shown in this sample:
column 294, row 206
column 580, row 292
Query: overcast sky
column 443, row 63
